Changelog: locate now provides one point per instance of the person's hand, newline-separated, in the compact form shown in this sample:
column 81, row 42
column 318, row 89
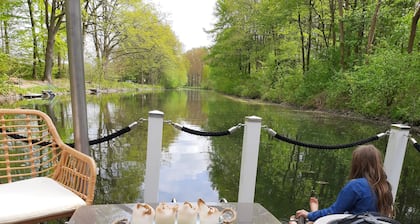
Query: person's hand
column 302, row 213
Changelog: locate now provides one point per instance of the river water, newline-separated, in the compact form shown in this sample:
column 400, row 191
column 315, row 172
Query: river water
column 195, row 167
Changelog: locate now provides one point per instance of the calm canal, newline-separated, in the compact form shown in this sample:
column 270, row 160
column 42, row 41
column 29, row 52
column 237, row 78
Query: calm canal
column 209, row 167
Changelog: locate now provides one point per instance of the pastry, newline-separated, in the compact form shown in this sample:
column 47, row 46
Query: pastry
column 187, row 214
column 165, row 214
column 142, row 214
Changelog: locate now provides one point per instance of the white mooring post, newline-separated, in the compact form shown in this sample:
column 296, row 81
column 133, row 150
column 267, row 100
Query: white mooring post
column 394, row 156
column 154, row 148
column 249, row 160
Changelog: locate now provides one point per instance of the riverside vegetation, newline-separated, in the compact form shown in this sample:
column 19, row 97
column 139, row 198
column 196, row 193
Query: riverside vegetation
column 346, row 56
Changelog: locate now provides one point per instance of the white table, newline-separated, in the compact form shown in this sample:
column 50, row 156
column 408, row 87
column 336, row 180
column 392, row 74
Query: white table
column 247, row 213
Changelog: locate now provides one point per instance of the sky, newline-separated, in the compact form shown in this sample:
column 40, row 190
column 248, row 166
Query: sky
column 188, row 18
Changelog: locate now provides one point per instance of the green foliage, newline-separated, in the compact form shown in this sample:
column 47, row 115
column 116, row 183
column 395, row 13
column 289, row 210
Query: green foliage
column 315, row 81
column 288, row 87
column 174, row 77
column 14, row 67
column 205, row 82
column 339, row 92
column 321, row 74
column 251, row 89
column 134, row 42
column 4, row 85
column 150, row 52
column 262, row 50
column 5, row 64
column 225, row 84
column 386, row 86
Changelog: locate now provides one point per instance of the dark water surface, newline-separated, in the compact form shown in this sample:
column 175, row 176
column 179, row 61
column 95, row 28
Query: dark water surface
column 208, row 167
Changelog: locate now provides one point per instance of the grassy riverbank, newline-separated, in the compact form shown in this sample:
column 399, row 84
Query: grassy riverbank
column 19, row 87
column 14, row 89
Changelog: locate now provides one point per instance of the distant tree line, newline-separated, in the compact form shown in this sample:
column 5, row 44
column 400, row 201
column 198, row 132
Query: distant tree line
column 199, row 70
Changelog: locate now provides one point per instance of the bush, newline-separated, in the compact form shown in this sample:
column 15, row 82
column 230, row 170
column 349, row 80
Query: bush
column 285, row 89
column 386, row 86
column 320, row 75
column 339, row 91
column 5, row 87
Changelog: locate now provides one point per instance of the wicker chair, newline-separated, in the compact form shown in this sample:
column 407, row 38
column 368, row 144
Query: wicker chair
column 41, row 178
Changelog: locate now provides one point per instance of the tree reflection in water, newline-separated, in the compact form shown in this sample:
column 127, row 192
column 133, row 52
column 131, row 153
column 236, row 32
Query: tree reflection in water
column 208, row 167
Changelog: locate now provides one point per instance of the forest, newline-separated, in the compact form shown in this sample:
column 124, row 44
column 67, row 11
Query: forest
column 359, row 56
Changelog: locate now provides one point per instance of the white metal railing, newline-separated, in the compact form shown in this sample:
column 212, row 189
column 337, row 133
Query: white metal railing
column 394, row 156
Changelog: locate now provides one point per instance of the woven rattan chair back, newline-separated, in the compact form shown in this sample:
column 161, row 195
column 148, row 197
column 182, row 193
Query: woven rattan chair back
column 31, row 147
column 28, row 149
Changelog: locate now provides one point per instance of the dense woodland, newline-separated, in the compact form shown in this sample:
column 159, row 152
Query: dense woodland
column 361, row 56
column 345, row 55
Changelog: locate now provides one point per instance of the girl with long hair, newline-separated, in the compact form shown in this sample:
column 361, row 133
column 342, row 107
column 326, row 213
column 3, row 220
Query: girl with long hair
column 367, row 190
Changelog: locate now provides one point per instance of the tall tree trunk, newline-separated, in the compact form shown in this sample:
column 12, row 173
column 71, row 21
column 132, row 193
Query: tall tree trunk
column 341, row 27
column 413, row 30
column 35, row 55
column 1, row 36
column 59, row 65
column 322, row 25
column 332, row 26
column 371, row 35
column 302, row 40
column 52, row 22
column 49, row 58
column 6, row 37
column 95, row 34
column 308, row 51
column 361, row 32
column 85, row 20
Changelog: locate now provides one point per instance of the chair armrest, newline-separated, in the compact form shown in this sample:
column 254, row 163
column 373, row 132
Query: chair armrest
column 77, row 172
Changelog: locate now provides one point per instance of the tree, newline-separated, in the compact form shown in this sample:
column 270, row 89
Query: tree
column 332, row 29
column 150, row 52
column 54, row 15
column 302, row 40
column 341, row 28
column 105, row 28
column 6, row 14
column 371, row 34
column 305, row 30
column 196, row 58
column 238, row 49
column 5, row 34
column 35, row 53
column 413, row 29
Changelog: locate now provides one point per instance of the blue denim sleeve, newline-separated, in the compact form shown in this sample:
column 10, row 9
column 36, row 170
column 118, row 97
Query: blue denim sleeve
column 344, row 202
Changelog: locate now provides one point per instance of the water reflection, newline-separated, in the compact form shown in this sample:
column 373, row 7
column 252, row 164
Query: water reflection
column 184, row 174
column 194, row 166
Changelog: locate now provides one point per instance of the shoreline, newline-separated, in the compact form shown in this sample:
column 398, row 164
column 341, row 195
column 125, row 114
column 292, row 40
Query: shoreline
column 10, row 98
column 344, row 114
column 13, row 97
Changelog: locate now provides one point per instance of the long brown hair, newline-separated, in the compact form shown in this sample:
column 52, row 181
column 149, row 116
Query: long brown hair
column 367, row 163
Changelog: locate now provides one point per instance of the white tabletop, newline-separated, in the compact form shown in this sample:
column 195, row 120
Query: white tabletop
column 247, row 213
